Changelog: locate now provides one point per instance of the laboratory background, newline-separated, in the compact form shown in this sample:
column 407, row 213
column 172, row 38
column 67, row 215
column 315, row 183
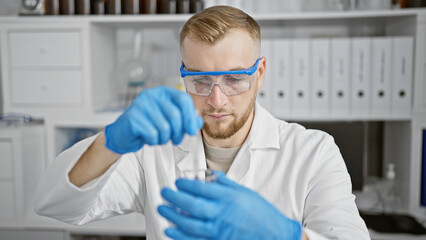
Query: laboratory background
column 353, row 68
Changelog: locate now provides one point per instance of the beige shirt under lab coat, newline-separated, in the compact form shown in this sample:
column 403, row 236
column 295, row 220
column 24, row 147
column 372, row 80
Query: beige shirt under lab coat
column 299, row 171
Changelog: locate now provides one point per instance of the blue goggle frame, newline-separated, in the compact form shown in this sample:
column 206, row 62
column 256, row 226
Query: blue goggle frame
column 249, row 71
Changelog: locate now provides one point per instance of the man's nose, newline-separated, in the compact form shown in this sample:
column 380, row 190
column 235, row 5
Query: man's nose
column 217, row 97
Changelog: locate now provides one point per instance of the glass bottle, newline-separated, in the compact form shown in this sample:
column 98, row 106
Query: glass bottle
column 79, row 7
column 96, row 7
column 180, row 6
column 49, row 7
column 390, row 197
column 109, row 6
column 163, row 6
column 144, row 6
column 127, row 7
column 64, row 7
column 192, row 6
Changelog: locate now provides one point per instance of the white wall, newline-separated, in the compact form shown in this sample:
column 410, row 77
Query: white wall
column 9, row 7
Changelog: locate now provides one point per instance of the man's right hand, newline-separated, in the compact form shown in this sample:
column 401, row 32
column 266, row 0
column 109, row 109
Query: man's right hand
column 156, row 116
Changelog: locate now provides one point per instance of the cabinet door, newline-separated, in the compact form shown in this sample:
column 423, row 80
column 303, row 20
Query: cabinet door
column 5, row 159
column 46, row 88
column 32, row 234
column 7, row 206
column 33, row 49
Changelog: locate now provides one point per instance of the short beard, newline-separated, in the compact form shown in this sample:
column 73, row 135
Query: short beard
column 233, row 127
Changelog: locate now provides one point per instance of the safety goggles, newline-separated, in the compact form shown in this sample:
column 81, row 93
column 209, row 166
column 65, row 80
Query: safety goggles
column 230, row 82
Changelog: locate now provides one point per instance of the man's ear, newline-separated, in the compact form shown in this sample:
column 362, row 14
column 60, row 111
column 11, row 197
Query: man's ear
column 261, row 68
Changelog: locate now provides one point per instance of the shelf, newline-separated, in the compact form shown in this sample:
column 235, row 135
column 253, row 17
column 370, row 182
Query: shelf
column 343, row 118
column 171, row 18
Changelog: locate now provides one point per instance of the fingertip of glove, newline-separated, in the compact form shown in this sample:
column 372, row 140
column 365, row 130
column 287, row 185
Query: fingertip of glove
column 218, row 174
column 165, row 192
column 178, row 182
column 200, row 122
column 176, row 141
column 169, row 232
column 161, row 209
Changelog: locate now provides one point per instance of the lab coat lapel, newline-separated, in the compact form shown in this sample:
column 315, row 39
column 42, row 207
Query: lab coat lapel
column 189, row 155
column 241, row 164
column 264, row 134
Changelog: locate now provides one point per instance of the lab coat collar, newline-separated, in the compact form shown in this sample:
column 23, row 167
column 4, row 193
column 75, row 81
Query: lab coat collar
column 264, row 133
column 189, row 155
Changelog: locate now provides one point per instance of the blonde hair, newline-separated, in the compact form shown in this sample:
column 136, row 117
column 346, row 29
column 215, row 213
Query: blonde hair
column 212, row 24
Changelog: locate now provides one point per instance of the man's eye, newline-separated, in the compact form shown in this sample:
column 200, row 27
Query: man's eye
column 201, row 80
column 234, row 78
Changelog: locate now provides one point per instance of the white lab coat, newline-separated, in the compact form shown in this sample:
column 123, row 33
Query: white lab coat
column 299, row 171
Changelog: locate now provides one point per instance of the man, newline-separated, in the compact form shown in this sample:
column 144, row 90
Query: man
column 282, row 181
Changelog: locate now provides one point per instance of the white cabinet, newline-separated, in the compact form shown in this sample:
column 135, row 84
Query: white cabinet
column 22, row 150
column 52, row 88
column 17, row 234
column 7, row 206
column 6, row 159
column 46, row 66
column 29, row 48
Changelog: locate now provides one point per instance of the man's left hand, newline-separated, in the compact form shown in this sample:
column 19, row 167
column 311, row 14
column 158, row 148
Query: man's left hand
column 223, row 209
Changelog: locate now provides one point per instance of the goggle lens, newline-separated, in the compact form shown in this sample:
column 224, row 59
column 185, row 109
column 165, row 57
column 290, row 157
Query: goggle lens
column 230, row 84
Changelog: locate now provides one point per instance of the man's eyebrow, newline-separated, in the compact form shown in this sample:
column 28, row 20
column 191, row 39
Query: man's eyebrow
column 196, row 70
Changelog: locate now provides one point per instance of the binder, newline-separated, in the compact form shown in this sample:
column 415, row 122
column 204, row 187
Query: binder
column 402, row 69
column 423, row 172
column 263, row 6
column 320, row 75
column 340, row 77
column 210, row 3
column 381, row 78
column 281, row 78
column 264, row 94
column 300, row 95
column 361, row 76
column 222, row 2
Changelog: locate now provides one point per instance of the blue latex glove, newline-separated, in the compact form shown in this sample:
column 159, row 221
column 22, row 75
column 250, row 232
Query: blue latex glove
column 156, row 116
column 223, row 209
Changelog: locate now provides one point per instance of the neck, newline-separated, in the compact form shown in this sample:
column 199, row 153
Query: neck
column 235, row 140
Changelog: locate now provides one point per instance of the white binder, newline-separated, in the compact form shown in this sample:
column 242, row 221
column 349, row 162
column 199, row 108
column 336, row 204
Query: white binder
column 264, row 94
column 361, row 76
column 209, row 3
column 262, row 6
column 320, row 77
column 402, row 78
column 281, row 78
column 381, row 78
column 300, row 95
column 340, row 77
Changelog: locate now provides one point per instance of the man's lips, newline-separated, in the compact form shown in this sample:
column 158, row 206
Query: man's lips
column 218, row 116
